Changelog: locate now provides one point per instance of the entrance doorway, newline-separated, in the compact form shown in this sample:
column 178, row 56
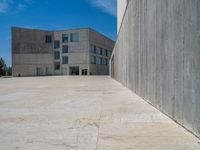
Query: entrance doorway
column 74, row 71
column 84, row 72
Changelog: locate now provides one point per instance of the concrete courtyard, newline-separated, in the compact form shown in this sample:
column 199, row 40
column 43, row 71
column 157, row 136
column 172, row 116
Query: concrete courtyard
column 83, row 113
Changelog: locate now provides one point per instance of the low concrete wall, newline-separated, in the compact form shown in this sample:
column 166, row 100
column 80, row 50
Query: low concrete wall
column 157, row 55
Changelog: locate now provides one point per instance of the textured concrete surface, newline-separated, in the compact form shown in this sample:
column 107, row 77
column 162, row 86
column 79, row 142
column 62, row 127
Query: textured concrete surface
column 157, row 55
column 83, row 113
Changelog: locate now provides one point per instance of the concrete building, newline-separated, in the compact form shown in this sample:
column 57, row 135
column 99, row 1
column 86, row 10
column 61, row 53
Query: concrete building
column 157, row 55
column 66, row 52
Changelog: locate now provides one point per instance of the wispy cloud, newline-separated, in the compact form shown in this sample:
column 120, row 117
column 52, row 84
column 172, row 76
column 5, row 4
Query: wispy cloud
column 108, row 6
column 13, row 5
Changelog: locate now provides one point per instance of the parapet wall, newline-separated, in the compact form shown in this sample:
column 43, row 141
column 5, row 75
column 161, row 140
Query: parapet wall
column 157, row 55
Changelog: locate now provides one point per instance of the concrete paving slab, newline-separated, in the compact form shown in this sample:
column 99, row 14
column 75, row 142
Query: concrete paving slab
column 83, row 113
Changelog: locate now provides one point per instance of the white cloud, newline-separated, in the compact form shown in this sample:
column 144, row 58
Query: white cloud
column 108, row 6
column 4, row 5
column 13, row 5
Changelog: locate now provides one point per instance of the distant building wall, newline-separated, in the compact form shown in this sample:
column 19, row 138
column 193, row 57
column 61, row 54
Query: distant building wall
column 157, row 55
column 65, row 52
column 30, row 51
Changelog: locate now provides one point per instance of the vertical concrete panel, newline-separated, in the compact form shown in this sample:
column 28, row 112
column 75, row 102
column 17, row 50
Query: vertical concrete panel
column 157, row 55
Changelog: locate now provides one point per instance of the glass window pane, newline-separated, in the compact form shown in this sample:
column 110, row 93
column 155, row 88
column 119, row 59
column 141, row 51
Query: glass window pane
column 104, row 52
column 65, row 49
column 65, row 59
column 48, row 39
column 104, row 61
column 93, row 59
column 65, row 38
column 109, row 53
column 57, row 66
column 56, row 55
column 74, row 37
column 98, row 60
column 92, row 48
column 56, row 44
column 98, row 51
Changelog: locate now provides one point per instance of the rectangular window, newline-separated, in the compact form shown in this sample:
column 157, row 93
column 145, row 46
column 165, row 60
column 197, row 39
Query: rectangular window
column 65, row 59
column 93, row 59
column 65, row 48
column 57, row 65
column 56, row 44
column 48, row 39
column 95, row 49
column 92, row 48
column 56, row 55
column 104, row 61
column 104, row 52
column 98, row 51
column 108, row 53
column 74, row 37
column 98, row 60
column 65, row 38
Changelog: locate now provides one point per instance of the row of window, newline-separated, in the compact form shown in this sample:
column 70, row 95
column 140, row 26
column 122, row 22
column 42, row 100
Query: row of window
column 64, row 51
column 64, row 61
column 93, row 59
column 57, row 55
column 99, row 51
column 98, row 60
column 74, row 37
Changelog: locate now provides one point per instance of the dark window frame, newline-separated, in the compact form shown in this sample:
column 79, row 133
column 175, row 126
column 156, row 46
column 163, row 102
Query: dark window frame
column 48, row 39
column 65, row 38
column 56, row 55
column 73, row 37
column 65, row 60
column 56, row 44
column 65, row 51
column 56, row 65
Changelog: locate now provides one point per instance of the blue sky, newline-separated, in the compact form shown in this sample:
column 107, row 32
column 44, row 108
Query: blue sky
column 55, row 15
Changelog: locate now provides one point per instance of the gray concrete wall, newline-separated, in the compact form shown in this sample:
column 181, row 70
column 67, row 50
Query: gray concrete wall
column 29, row 51
column 78, row 52
column 99, row 69
column 31, row 55
column 157, row 55
column 100, row 41
column 121, row 7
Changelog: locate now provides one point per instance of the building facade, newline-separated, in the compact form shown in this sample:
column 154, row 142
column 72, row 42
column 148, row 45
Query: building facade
column 157, row 55
column 66, row 52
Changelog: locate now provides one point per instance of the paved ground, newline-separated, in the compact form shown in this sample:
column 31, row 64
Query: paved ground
column 83, row 113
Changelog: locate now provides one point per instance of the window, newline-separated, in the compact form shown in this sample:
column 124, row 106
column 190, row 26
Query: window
column 98, row 51
column 65, row 49
column 98, row 60
column 65, row 59
column 93, row 59
column 92, row 48
column 84, row 72
column 56, row 55
column 57, row 65
column 48, row 39
column 108, row 53
column 65, row 38
column 104, row 52
column 74, row 37
column 104, row 61
column 95, row 49
column 56, row 44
